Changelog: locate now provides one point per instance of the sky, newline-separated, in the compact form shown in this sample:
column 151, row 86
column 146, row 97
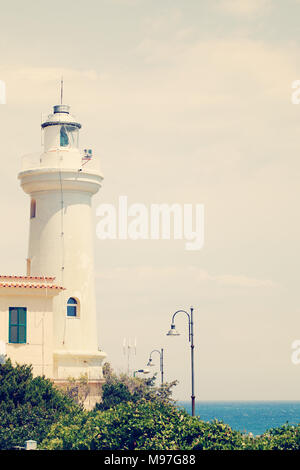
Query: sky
column 189, row 103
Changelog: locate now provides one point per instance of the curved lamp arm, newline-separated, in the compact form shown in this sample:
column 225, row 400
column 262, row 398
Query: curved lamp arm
column 154, row 350
column 190, row 320
column 161, row 356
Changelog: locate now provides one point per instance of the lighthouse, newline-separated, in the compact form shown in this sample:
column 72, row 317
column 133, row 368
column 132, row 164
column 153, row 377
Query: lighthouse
column 60, row 183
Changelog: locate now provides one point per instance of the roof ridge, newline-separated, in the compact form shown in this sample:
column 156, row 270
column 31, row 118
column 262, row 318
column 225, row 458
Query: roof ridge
column 11, row 276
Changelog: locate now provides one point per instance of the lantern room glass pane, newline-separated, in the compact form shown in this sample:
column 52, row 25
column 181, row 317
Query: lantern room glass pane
column 64, row 140
column 73, row 134
column 69, row 136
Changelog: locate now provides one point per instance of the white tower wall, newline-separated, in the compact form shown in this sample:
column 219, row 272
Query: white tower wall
column 61, row 245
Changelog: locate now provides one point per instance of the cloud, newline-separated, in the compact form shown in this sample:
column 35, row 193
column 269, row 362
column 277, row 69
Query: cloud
column 173, row 275
column 24, row 83
column 243, row 7
column 125, row 2
column 46, row 74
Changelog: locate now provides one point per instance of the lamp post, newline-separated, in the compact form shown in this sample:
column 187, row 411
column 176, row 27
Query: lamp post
column 174, row 332
column 142, row 371
column 161, row 355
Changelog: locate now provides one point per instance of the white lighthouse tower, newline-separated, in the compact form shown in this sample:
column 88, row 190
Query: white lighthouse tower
column 61, row 182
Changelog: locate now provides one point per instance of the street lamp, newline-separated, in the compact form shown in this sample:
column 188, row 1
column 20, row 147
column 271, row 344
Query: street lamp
column 142, row 371
column 161, row 355
column 174, row 332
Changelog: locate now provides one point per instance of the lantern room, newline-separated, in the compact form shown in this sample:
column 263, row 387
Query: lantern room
column 61, row 131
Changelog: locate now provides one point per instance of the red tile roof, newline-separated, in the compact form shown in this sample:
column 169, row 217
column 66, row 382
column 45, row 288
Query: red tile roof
column 36, row 278
column 28, row 282
column 30, row 286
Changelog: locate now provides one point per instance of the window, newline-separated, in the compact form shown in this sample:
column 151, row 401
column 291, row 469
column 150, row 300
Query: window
column 17, row 325
column 69, row 136
column 73, row 134
column 64, row 140
column 32, row 208
column 72, row 307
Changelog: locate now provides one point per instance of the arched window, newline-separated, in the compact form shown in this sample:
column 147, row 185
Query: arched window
column 72, row 307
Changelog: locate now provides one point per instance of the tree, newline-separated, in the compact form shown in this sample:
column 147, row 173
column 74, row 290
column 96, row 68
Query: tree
column 125, row 388
column 77, row 389
column 113, row 394
column 28, row 406
column 141, row 425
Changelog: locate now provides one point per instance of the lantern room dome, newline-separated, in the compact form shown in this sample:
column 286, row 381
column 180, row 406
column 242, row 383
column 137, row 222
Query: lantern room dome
column 61, row 115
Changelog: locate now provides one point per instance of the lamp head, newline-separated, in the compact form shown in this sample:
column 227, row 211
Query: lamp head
column 143, row 371
column 173, row 331
column 150, row 363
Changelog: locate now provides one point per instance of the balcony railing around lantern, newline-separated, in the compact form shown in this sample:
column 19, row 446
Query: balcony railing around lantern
column 61, row 159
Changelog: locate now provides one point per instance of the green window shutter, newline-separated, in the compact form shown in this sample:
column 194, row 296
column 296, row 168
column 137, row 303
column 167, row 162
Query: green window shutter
column 22, row 334
column 17, row 324
column 22, row 325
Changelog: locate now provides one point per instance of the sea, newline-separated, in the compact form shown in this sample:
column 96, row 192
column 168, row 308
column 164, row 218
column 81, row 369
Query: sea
column 247, row 416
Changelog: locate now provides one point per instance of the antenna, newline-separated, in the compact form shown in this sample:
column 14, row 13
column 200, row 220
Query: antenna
column 131, row 349
column 61, row 89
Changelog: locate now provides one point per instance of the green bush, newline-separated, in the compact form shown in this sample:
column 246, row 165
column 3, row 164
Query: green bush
column 125, row 388
column 134, row 415
column 286, row 437
column 28, row 406
column 113, row 394
column 140, row 425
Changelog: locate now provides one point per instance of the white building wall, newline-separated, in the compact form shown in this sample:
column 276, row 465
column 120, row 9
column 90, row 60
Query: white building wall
column 38, row 350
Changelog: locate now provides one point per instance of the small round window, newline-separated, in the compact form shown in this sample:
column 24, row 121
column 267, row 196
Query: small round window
column 72, row 307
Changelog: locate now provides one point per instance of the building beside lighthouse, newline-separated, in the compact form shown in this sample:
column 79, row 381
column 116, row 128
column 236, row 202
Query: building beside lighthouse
column 48, row 316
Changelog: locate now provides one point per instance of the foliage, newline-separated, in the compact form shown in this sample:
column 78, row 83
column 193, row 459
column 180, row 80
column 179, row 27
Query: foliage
column 28, row 406
column 113, row 394
column 145, row 424
column 77, row 389
column 125, row 388
column 150, row 425
column 134, row 415
column 286, row 437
